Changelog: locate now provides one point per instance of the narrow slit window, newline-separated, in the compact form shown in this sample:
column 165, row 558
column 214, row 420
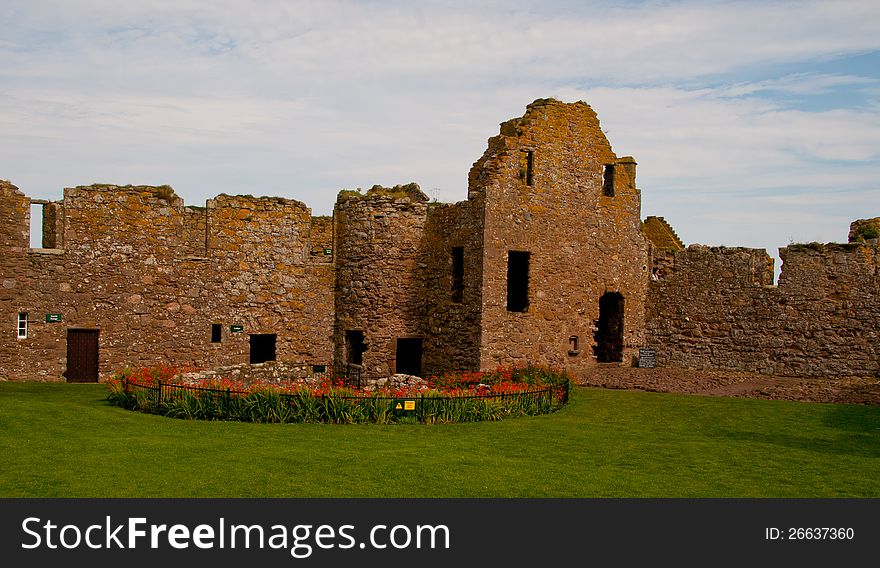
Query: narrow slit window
column 527, row 166
column 22, row 325
column 530, row 167
column 608, row 180
column 458, row 274
column 517, row 281
column 216, row 332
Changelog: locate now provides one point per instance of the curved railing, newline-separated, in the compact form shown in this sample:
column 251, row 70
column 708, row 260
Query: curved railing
column 267, row 404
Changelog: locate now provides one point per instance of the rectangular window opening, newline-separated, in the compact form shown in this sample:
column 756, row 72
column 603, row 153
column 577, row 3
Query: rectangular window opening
column 530, row 167
column 36, row 226
column 354, row 347
column 608, row 180
column 458, row 274
column 517, row 281
column 216, row 332
column 22, row 325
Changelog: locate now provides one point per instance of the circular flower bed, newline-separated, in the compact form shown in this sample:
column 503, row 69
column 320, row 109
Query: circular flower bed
column 453, row 397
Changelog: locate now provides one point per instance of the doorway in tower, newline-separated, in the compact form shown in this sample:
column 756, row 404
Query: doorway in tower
column 609, row 329
column 262, row 347
column 409, row 356
column 354, row 347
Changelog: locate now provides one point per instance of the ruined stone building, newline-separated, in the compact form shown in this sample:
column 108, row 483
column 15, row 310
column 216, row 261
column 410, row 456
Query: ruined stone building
column 547, row 261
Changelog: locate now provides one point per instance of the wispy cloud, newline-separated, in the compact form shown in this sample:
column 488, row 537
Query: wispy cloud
column 303, row 99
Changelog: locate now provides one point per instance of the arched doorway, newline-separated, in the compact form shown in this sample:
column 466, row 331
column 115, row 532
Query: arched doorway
column 609, row 329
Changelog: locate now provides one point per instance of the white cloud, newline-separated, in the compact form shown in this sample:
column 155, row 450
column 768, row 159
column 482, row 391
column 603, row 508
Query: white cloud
column 306, row 98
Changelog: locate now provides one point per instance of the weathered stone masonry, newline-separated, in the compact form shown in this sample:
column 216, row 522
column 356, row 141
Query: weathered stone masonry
column 716, row 308
column 546, row 262
column 153, row 277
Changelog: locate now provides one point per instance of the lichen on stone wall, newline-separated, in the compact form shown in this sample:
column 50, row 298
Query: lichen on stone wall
column 552, row 220
column 713, row 310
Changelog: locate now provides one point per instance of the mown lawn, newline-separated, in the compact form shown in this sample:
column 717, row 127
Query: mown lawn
column 60, row 440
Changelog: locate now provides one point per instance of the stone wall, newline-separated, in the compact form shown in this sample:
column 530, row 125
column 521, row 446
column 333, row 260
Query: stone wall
column 716, row 308
column 453, row 319
column 864, row 230
column 542, row 181
column 663, row 243
column 546, row 262
column 153, row 276
column 379, row 276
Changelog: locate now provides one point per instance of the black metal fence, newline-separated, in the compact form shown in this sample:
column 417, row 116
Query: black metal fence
column 348, row 373
column 168, row 391
column 161, row 394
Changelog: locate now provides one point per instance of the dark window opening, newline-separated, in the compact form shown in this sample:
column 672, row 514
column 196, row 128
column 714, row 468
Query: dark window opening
column 608, row 180
column 609, row 329
column 458, row 274
column 517, row 281
column 216, row 332
column 527, row 166
column 262, row 347
column 409, row 356
column 355, row 347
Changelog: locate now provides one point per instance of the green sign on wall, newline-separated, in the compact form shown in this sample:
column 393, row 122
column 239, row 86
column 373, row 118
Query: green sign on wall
column 236, row 328
column 50, row 318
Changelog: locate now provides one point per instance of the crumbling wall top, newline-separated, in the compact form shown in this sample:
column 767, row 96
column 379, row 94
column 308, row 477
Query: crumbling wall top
column 410, row 192
column 165, row 192
column 250, row 200
column 864, row 230
column 7, row 188
column 549, row 128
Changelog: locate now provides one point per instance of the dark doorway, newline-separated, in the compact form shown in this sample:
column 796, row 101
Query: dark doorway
column 82, row 356
column 262, row 347
column 609, row 332
column 409, row 356
column 354, row 347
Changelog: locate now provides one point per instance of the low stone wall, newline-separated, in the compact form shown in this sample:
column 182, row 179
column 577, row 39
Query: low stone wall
column 280, row 372
column 269, row 372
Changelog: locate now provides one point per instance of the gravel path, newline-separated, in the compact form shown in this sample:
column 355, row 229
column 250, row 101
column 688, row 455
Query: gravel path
column 854, row 390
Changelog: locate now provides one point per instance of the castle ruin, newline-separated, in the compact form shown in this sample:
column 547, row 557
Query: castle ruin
column 547, row 261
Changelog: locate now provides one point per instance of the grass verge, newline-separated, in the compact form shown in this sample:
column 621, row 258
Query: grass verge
column 61, row 440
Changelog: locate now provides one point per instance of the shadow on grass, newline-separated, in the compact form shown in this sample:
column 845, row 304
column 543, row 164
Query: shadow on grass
column 844, row 430
column 853, row 418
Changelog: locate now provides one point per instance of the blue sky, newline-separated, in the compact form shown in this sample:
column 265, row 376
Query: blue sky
column 753, row 123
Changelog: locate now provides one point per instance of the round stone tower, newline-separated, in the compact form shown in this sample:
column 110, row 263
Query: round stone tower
column 379, row 288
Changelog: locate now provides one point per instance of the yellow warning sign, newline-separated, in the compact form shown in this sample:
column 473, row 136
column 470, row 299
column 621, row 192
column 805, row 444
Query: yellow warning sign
column 398, row 407
column 409, row 405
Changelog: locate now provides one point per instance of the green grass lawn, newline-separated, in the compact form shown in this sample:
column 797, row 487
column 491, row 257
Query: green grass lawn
column 60, row 440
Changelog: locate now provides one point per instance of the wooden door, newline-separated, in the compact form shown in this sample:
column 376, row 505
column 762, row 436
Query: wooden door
column 82, row 356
